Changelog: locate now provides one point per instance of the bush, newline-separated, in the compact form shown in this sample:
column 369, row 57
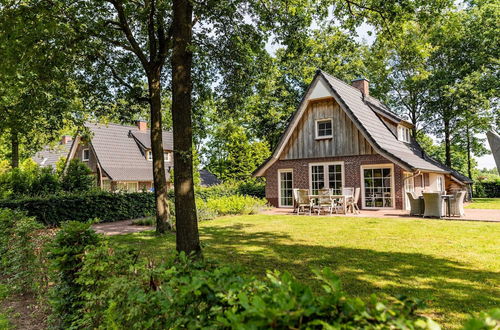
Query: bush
column 107, row 206
column 78, row 177
column 236, row 205
column 487, row 189
column 22, row 258
column 484, row 321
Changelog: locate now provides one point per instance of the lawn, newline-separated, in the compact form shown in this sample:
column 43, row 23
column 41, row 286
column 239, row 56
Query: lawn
column 484, row 203
column 454, row 266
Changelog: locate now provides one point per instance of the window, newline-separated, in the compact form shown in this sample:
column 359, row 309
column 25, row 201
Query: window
column 286, row 188
column 149, row 155
column 85, row 154
column 377, row 187
column 167, row 156
column 326, row 176
column 440, row 184
column 106, row 185
column 403, row 134
column 127, row 186
column 324, row 128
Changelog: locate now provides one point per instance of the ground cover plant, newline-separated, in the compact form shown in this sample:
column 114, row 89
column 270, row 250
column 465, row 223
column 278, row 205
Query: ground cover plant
column 484, row 203
column 452, row 266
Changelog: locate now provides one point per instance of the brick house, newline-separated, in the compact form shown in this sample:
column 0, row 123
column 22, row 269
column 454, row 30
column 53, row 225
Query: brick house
column 340, row 136
column 119, row 156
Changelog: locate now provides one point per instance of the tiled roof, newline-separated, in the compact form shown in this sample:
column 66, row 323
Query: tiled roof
column 208, row 179
column 145, row 139
column 119, row 154
column 50, row 155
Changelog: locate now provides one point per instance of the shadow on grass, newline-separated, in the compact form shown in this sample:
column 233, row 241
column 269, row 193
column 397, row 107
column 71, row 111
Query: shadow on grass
column 447, row 286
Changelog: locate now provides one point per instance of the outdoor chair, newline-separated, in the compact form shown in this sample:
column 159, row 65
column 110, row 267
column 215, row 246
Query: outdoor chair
column 302, row 201
column 457, row 204
column 325, row 201
column 433, row 205
column 348, row 191
column 352, row 203
column 416, row 204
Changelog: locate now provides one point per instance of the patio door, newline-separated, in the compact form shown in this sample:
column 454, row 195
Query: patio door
column 409, row 186
column 378, row 186
column 326, row 175
column 285, row 183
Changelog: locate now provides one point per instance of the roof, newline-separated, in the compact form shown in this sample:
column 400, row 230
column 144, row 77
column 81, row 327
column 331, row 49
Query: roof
column 363, row 112
column 50, row 155
column 144, row 138
column 208, row 179
column 119, row 154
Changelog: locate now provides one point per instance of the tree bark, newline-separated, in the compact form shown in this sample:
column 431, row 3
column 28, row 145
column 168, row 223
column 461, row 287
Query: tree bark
column 159, row 177
column 187, row 237
column 14, row 145
column 469, row 169
column 447, row 143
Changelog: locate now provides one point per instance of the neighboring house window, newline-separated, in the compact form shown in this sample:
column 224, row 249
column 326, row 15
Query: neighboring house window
column 168, row 156
column 106, row 185
column 149, row 155
column 85, row 154
column 324, row 128
column 403, row 134
column 127, row 186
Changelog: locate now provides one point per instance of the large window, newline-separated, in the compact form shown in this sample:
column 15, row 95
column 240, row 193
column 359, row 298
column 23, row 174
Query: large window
column 324, row 128
column 326, row 176
column 127, row 186
column 378, row 191
column 286, row 188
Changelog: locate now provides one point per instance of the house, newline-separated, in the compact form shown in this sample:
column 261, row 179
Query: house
column 51, row 154
column 340, row 136
column 120, row 156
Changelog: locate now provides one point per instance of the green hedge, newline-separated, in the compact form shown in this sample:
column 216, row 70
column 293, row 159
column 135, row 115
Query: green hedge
column 487, row 189
column 106, row 206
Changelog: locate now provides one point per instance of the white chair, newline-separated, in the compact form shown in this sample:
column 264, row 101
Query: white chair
column 349, row 191
column 352, row 203
column 325, row 201
column 416, row 204
column 433, row 205
column 457, row 204
column 302, row 201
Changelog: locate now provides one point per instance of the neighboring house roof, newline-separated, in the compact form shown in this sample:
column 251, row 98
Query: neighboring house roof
column 50, row 155
column 363, row 112
column 208, row 179
column 144, row 138
column 118, row 153
column 494, row 141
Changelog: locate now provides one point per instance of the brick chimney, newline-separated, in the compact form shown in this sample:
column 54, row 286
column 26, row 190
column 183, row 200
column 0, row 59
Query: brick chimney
column 65, row 139
column 362, row 84
column 142, row 125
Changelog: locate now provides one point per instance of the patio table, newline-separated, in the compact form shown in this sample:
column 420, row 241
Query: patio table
column 447, row 199
column 342, row 197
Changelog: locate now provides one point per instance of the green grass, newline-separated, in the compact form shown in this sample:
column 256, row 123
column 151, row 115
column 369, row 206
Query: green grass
column 484, row 203
column 454, row 266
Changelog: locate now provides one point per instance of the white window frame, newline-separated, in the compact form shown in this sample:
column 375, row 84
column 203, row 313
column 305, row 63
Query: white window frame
column 126, row 184
column 316, row 123
column 404, row 134
column 83, row 155
column 408, row 182
column 284, row 170
column 440, row 182
column 167, row 156
column 325, row 173
column 149, row 155
column 393, row 191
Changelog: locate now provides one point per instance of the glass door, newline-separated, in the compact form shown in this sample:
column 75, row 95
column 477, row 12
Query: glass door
column 286, row 188
column 378, row 187
column 409, row 185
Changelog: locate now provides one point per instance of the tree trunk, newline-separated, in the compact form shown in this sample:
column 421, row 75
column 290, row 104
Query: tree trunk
column 187, row 235
column 14, row 139
column 447, row 143
column 159, row 177
column 469, row 169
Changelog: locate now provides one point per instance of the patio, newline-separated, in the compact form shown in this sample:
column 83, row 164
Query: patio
column 470, row 215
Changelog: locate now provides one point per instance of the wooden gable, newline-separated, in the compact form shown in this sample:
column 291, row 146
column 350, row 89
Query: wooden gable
column 346, row 140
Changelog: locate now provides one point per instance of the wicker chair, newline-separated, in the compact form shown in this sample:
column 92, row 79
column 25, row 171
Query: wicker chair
column 457, row 204
column 325, row 201
column 433, row 205
column 416, row 204
column 352, row 203
column 349, row 191
column 302, row 201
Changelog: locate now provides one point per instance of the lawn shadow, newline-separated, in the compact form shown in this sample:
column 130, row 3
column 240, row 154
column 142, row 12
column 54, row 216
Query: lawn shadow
column 448, row 286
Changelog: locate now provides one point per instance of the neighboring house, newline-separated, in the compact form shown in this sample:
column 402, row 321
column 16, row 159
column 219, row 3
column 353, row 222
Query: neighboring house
column 51, row 154
column 120, row 156
column 341, row 137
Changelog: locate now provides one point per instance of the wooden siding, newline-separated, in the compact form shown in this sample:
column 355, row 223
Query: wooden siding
column 346, row 141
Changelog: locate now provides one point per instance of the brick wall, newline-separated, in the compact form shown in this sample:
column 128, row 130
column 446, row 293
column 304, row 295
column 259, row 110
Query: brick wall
column 352, row 174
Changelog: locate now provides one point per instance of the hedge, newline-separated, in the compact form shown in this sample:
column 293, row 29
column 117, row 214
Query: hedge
column 487, row 189
column 106, row 206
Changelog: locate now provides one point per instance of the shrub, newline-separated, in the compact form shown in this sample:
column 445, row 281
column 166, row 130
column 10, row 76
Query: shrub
column 236, row 205
column 487, row 189
column 78, row 177
column 67, row 255
column 107, row 206
column 484, row 321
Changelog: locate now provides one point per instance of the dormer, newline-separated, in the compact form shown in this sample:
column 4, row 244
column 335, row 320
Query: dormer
column 404, row 134
column 167, row 155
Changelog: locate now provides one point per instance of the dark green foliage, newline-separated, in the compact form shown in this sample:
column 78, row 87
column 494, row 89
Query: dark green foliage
column 66, row 254
column 52, row 210
column 78, row 177
column 484, row 321
column 251, row 187
column 22, row 259
column 487, row 189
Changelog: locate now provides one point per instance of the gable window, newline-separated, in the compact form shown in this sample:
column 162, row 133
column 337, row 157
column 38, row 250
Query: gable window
column 149, row 155
column 324, row 128
column 403, row 134
column 85, row 154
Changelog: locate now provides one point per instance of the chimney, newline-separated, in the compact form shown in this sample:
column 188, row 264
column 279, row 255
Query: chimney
column 362, row 84
column 142, row 125
column 65, row 139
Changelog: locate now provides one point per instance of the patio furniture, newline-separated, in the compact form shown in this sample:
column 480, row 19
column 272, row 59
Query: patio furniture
column 457, row 204
column 352, row 203
column 302, row 201
column 325, row 201
column 349, row 191
column 433, row 205
column 416, row 204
